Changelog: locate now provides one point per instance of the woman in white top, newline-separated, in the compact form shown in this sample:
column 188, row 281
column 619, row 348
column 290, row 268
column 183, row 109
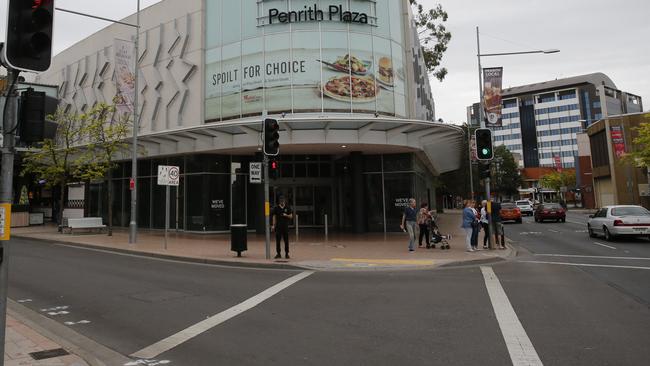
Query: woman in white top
column 485, row 224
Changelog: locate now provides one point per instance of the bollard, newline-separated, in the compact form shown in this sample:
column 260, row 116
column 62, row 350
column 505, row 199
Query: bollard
column 326, row 229
column 297, row 233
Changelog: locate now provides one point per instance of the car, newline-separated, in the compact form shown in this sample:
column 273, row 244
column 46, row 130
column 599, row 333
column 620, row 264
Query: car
column 525, row 206
column 550, row 211
column 510, row 212
column 620, row 220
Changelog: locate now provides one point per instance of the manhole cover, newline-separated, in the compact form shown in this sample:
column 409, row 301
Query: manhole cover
column 42, row 355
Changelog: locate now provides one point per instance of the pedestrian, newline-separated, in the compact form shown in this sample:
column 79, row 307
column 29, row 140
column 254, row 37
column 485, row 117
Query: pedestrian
column 469, row 217
column 424, row 221
column 409, row 218
column 476, row 225
column 498, row 226
column 282, row 215
column 485, row 223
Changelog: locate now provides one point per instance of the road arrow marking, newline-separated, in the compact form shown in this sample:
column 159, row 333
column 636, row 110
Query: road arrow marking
column 203, row 326
column 520, row 347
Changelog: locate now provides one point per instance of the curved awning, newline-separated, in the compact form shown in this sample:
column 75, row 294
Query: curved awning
column 438, row 144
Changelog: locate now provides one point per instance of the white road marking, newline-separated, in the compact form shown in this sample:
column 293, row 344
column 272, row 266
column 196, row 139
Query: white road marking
column 24, row 301
column 576, row 222
column 79, row 322
column 55, row 313
column 520, row 347
column 593, row 256
column 147, row 362
column 211, row 322
column 604, row 245
column 553, row 231
column 55, row 308
column 531, row 233
column 587, row 265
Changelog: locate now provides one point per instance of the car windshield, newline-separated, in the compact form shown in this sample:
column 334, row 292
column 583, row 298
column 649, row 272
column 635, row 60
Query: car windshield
column 630, row 211
column 551, row 206
column 523, row 203
column 508, row 206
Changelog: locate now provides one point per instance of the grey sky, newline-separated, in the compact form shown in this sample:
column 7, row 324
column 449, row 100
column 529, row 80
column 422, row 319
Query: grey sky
column 593, row 35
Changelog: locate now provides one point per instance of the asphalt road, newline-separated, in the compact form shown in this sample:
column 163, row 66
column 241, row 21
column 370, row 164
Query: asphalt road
column 571, row 315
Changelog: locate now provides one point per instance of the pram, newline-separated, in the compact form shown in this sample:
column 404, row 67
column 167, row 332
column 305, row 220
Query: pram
column 436, row 236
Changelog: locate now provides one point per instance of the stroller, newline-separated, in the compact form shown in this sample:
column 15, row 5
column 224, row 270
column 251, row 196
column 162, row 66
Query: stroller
column 437, row 237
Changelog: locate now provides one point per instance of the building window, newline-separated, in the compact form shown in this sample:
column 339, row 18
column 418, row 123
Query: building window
column 546, row 98
column 568, row 94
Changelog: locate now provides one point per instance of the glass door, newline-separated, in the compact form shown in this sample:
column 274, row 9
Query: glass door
column 304, row 205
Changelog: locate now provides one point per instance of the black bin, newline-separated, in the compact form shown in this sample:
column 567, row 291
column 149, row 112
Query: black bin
column 238, row 238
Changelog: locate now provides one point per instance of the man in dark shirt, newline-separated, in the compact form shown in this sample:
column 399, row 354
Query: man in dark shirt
column 498, row 226
column 282, row 215
column 408, row 225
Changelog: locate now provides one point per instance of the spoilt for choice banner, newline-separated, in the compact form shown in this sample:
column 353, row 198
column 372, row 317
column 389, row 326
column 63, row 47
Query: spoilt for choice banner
column 492, row 83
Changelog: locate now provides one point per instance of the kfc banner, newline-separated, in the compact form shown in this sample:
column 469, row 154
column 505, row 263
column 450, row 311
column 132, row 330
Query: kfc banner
column 492, row 96
column 124, row 76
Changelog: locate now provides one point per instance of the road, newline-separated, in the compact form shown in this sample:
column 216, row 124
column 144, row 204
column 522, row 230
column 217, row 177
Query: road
column 520, row 310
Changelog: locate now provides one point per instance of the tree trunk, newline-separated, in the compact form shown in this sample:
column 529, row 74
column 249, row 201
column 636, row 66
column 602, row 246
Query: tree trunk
column 110, row 203
column 61, row 201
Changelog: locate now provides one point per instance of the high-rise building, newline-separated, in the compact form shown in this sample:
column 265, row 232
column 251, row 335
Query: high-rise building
column 541, row 120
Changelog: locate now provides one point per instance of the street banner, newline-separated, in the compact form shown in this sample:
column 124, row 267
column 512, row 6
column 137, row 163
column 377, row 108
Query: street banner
column 124, row 75
column 472, row 145
column 492, row 82
column 558, row 162
column 618, row 140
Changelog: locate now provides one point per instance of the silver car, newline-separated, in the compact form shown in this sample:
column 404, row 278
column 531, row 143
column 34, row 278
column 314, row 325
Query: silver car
column 613, row 221
column 525, row 207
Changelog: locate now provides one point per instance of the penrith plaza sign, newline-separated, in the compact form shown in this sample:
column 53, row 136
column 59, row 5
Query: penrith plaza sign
column 314, row 14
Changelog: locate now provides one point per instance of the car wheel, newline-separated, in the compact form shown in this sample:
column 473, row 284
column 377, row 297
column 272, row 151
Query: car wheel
column 563, row 219
column 608, row 235
column 591, row 232
column 519, row 221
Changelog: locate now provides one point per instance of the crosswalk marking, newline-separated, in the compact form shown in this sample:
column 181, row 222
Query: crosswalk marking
column 521, row 349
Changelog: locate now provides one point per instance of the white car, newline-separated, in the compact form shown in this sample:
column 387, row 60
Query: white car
column 525, row 207
column 612, row 221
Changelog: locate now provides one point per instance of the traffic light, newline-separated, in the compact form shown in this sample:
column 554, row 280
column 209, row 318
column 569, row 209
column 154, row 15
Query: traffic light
column 274, row 169
column 484, row 170
column 484, row 149
column 271, row 137
column 33, row 123
column 29, row 34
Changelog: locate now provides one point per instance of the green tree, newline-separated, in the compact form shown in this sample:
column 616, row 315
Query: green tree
column 433, row 35
column 558, row 179
column 506, row 172
column 57, row 160
column 106, row 132
column 640, row 157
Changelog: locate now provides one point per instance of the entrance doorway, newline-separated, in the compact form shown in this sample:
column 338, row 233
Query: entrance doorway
column 310, row 202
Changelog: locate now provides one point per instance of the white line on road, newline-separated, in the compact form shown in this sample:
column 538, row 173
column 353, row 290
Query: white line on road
column 593, row 256
column 553, row 231
column 587, row 265
column 604, row 245
column 519, row 345
column 576, row 222
column 188, row 333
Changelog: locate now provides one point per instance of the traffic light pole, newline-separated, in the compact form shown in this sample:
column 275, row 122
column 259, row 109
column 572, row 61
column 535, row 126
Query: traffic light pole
column 6, row 198
column 267, row 208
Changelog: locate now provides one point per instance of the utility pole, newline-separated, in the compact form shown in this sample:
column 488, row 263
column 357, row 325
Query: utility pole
column 471, row 175
column 267, row 208
column 6, row 195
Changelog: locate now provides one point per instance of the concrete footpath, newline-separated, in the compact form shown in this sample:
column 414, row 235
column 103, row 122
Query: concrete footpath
column 25, row 346
column 310, row 249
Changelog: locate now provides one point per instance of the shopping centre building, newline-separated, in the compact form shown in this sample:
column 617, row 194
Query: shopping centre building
column 345, row 79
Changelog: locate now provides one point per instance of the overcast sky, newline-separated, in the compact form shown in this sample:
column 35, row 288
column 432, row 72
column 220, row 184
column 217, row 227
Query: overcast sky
column 593, row 36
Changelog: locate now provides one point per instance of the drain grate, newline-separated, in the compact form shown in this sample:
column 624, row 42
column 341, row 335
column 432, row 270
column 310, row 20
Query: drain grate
column 42, row 355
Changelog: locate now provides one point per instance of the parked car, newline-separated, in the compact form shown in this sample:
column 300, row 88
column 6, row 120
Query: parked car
column 550, row 211
column 510, row 212
column 525, row 206
column 612, row 221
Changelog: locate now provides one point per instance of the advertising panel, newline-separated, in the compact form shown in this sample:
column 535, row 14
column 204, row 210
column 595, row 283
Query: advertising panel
column 306, row 71
column 618, row 139
column 124, row 75
column 492, row 80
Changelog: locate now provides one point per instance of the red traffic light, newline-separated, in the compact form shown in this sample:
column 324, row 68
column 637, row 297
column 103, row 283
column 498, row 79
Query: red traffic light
column 274, row 165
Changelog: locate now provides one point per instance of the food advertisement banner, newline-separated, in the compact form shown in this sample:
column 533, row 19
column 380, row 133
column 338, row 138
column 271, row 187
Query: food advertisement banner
column 124, row 75
column 618, row 140
column 492, row 82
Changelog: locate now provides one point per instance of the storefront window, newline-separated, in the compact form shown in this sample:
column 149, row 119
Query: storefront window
column 399, row 188
column 374, row 201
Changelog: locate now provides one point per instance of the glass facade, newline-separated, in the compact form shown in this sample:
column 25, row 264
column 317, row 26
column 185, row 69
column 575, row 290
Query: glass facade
column 298, row 56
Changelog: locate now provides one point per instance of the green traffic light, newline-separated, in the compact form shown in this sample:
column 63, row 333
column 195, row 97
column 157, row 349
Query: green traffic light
column 486, row 151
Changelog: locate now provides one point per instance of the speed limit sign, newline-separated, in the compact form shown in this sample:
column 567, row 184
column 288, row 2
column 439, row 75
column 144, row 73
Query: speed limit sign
column 168, row 175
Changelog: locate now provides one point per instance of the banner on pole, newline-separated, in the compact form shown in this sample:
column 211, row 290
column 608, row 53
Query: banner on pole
column 492, row 82
column 124, row 75
column 618, row 139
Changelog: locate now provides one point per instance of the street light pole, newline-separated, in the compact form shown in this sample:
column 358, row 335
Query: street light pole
column 133, row 224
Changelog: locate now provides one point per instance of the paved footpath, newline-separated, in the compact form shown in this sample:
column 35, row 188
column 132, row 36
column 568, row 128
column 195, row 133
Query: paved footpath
column 22, row 341
column 310, row 250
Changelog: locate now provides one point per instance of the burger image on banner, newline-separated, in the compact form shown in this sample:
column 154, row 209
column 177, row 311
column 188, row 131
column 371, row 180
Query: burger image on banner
column 385, row 74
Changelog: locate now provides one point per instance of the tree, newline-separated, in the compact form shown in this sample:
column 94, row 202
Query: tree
column 57, row 161
column 433, row 35
column 506, row 175
column 641, row 156
column 106, row 133
column 557, row 179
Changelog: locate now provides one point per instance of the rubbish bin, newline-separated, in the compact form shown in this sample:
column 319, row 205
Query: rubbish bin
column 238, row 239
